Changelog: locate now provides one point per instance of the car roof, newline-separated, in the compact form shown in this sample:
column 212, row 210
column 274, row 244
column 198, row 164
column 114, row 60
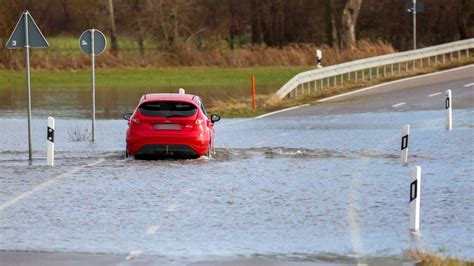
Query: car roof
column 189, row 98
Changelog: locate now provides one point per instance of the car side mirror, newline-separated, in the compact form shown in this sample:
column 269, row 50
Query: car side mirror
column 215, row 118
column 127, row 116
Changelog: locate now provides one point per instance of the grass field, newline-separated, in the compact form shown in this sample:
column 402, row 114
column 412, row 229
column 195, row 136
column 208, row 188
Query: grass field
column 69, row 45
column 154, row 77
column 431, row 259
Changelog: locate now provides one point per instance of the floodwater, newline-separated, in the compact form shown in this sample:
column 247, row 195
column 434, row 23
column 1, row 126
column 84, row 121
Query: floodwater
column 304, row 188
column 111, row 103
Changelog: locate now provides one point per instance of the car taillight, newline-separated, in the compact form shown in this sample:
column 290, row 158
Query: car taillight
column 197, row 124
column 135, row 120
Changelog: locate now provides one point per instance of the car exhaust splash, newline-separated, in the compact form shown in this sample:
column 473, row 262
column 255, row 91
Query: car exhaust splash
column 165, row 151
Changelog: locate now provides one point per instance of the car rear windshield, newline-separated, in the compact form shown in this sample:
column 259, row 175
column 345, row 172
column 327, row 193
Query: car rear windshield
column 168, row 109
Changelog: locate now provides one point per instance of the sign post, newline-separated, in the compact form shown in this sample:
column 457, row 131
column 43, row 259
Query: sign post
column 27, row 35
column 92, row 42
column 414, row 6
column 414, row 24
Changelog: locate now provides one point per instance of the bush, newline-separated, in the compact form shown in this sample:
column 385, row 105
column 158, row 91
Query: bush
column 57, row 57
column 78, row 133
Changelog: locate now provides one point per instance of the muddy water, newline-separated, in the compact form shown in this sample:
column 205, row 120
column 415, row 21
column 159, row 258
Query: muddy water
column 111, row 103
column 310, row 188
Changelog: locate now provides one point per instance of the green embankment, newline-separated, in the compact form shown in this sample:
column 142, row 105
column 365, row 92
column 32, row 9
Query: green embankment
column 154, row 77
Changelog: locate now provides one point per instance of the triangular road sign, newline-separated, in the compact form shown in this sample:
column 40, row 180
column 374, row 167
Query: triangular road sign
column 35, row 38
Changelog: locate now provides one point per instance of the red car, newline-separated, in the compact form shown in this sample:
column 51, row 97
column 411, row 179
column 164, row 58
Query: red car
column 170, row 125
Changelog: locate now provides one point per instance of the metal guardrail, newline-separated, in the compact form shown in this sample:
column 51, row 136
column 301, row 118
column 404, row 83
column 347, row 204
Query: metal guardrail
column 360, row 70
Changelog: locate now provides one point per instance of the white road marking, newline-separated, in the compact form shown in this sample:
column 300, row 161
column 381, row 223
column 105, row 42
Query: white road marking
column 469, row 85
column 393, row 82
column 134, row 254
column 152, row 229
column 282, row 110
column 434, row 94
column 48, row 183
column 398, row 104
column 368, row 88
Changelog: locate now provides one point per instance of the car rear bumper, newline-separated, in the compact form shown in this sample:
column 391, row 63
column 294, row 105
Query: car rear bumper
column 168, row 146
column 166, row 151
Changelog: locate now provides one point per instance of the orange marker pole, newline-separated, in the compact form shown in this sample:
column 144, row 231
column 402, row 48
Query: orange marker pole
column 254, row 100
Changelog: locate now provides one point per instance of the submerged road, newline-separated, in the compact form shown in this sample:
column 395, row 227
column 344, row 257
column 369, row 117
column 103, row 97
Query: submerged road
column 421, row 93
column 329, row 190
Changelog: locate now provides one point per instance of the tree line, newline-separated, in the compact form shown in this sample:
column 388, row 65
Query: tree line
column 247, row 23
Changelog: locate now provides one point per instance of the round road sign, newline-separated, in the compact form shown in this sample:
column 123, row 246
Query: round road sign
column 99, row 42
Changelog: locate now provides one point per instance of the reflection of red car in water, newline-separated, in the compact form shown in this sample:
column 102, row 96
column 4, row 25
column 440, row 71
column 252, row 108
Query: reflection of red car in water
column 170, row 125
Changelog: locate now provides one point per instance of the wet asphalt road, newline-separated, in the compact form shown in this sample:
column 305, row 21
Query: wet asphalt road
column 413, row 94
column 268, row 198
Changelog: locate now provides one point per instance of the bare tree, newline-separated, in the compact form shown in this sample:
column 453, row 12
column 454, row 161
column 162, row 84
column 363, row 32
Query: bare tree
column 465, row 18
column 113, row 33
column 331, row 28
column 136, row 12
column 256, row 22
column 171, row 21
column 349, row 21
column 66, row 23
column 206, row 24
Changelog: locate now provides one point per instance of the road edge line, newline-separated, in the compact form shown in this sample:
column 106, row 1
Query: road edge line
column 364, row 89
column 393, row 82
column 282, row 110
column 47, row 183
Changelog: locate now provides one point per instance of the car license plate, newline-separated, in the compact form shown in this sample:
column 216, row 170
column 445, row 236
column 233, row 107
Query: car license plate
column 167, row 127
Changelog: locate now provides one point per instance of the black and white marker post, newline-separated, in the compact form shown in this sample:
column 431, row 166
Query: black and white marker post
column 27, row 35
column 319, row 58
column 92, row 42
column 449, row 111
column 404, row 145
column 50, row 138
column 415, row 188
